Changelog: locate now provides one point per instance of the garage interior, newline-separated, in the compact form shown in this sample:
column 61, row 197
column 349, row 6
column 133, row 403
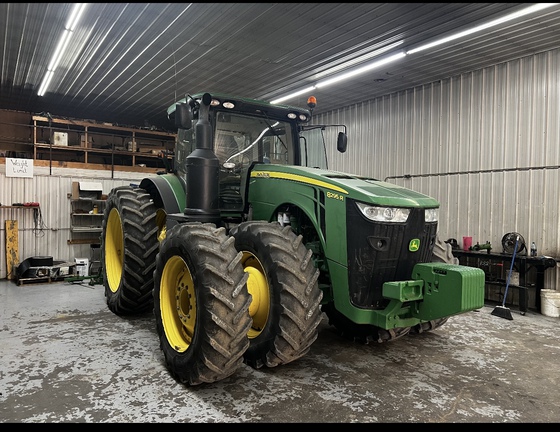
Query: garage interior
column 459, row 102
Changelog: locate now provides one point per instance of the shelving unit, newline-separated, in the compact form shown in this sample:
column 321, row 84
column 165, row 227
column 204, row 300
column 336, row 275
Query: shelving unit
column 67, row 140
column 86, row 220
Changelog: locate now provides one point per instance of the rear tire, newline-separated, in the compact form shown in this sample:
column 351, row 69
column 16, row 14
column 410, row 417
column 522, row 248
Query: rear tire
column 286, row 298
column 201, row 303
column 129, row 246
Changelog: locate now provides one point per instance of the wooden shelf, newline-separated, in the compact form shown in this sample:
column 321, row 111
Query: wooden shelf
column 89, row 124
column 83, row 224
column 67, row 142
column 91, row 241
column 86, row 229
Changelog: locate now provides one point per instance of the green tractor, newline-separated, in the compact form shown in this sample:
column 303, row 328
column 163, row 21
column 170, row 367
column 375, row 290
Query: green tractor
column 248, row 238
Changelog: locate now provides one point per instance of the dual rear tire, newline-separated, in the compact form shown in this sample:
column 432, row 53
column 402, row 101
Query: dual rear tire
column 129, row 246
column 220, row 301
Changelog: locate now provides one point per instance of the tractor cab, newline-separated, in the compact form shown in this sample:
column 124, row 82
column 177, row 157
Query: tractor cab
column 242, row 133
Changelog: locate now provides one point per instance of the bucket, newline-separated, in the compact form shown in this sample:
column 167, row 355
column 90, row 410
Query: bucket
column 467, row 243
column 550, row 303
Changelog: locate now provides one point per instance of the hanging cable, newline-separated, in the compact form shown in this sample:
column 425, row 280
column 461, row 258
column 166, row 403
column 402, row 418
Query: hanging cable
column 38, row 223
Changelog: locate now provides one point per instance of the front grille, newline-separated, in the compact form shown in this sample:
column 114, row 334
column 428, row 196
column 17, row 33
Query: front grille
column 379, row 252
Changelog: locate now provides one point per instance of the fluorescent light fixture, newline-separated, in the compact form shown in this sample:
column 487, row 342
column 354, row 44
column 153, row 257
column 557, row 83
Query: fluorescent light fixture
column 293, row 95
column 60, row 48
column 358, row 59
column 45, row 83
column 360, row 70
column 341, row 77
column 526, row 11
column 62, row 45
column 75, row 16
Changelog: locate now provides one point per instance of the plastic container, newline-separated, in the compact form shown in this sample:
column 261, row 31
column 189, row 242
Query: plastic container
column 550, row 303
column 467, row 243
column 82, row 266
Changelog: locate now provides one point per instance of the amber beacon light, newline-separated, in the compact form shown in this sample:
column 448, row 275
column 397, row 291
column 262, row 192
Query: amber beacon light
column 311, row 102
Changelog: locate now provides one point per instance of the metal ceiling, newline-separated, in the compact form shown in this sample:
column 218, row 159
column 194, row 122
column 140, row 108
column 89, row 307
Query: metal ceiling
column 127, row 62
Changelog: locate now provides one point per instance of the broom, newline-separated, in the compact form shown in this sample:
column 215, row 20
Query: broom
column 501, row 310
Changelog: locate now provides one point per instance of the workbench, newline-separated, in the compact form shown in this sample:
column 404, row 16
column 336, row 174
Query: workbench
column 496, row 268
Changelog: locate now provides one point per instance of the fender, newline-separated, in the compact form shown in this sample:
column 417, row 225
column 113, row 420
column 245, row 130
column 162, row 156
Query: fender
column 167, row 192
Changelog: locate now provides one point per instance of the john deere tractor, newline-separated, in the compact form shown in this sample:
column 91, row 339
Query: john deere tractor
column 248, row 238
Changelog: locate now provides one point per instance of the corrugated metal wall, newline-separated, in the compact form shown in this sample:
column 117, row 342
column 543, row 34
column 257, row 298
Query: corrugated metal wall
column 486, row 144
column 47, row 233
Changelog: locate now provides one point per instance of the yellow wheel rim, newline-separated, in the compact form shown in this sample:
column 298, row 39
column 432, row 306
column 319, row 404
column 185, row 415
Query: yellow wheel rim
column 258, row 288
column 114, row 250
column 178, row 303
column 161, row 220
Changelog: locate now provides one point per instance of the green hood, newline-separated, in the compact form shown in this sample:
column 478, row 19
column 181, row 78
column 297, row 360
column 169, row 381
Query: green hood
column 364, row 189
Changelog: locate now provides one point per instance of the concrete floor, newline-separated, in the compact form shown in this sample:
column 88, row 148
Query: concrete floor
column 64, row 357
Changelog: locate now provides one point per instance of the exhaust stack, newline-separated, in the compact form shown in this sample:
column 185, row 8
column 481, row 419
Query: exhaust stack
column 203, row 170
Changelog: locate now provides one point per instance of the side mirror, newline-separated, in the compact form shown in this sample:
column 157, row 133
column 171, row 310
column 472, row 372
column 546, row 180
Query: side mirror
column 183, row 116
column 341, row 142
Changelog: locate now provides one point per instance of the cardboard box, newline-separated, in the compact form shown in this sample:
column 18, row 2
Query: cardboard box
column 91, row 190
column 83, row 141
column 82, row 266
column 61, row 138
column 64, row 270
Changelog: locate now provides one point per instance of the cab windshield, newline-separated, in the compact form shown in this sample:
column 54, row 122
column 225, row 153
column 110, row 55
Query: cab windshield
column 240, row 140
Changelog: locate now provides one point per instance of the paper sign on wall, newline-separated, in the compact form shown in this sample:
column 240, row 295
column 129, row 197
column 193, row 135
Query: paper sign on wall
column 19, row 167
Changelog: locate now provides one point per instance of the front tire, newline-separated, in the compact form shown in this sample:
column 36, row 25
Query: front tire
column 129, row 246
column 286, row 298
column 443, row 252
column 201, row 303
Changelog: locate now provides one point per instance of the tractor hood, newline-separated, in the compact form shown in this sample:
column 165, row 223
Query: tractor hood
column 364, row 189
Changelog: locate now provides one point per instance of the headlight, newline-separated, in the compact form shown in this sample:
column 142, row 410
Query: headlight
column 431, row 215
column 384, row 214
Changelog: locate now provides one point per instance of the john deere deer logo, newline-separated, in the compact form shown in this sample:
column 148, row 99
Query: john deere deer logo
column 414, row 245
